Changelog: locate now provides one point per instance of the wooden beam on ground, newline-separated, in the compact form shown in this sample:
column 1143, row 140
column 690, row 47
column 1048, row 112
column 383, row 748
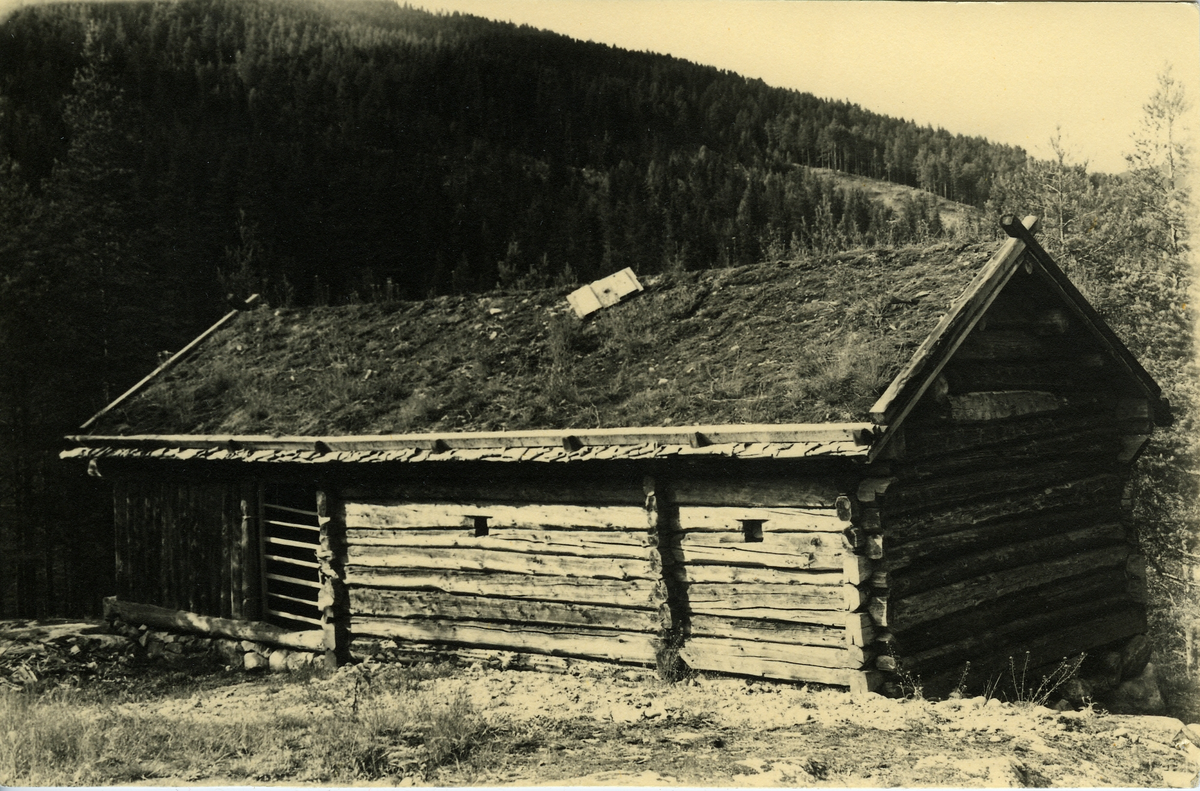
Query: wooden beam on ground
column 192, row 623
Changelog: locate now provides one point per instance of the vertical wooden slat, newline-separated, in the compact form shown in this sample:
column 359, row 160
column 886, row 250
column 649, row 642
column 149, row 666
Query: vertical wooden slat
column 222, row 500
column 149, row 537
column 260, row 550
column 216, row 568
column 194, row 560
column 233, row 512
column 169, row 528
column 121, row 556
column 154, row 525
column 251, row 551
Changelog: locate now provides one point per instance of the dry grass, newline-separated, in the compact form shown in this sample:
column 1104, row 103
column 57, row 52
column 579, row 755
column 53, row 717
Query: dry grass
column 388, row 729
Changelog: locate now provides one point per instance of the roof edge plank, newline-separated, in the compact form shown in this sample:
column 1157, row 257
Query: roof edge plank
column 862, row 434
column 933, row 354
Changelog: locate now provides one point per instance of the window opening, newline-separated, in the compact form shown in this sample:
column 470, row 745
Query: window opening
column 752, row 530
column 481, row 526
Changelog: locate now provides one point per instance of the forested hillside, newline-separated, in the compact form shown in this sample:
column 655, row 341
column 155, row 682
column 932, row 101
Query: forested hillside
column 156, row 156
column 337, row 145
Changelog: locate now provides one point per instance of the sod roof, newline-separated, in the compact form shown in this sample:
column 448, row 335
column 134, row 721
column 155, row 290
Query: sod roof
column 808, row 341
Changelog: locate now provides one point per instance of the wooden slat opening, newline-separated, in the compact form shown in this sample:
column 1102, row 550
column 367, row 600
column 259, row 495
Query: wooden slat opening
column 295, row 525
column 294, row 581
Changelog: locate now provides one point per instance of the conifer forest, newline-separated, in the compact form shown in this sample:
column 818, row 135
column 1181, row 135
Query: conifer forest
column 158, row 156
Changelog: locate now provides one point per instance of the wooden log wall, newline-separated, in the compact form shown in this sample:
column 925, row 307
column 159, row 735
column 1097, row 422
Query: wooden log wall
column 556, row 574
column 1001, row 530
column 185, row 545
column 771, row 578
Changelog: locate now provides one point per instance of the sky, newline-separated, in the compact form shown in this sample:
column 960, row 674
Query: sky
column 1011, row 72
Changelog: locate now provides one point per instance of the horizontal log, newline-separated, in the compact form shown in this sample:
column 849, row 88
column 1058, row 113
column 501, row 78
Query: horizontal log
column 1046, row 525
column 903, row 613
column 999, row 641
column 586, row 544
column 971, row 486
column 1008, row 345
column 430, row 515
column 757, row 493
column 777, row 552
column 1040, row 321
column 1082, row 493
column 914, row 580
column 693, row 575
column 770, row 631
column 1131, row 447
column 192, row 623
column 857, row 681
column 432, row 604
column 942, row 439
column 999, row 405
column 576, row 641
column 698, row 649
column 619, row 593
column 497, row 488
column 513, row 562
column 1104, row 443
column 1055, row 376
column 788, row 602
column 1052, row 596
column 694, row 519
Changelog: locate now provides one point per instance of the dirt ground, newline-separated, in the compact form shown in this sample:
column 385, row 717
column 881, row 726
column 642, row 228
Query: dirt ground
column 626, row 727
column 596, row 725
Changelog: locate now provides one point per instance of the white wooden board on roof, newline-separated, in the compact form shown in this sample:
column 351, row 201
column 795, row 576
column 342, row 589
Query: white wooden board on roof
column 604, row 293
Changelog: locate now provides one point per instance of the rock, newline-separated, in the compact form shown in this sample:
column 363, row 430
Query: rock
column 277, row 661
column 229, row 650
column 1077, row 691
column 1160, row 729
column 1192, row 733
column 1134, row 656
column 1137, row 695
column 299, row 659
column 254, row 661
column 1179, row 779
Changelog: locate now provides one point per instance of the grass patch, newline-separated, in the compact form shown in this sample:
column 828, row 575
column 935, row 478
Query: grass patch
column 806, row 341
column 349, row 730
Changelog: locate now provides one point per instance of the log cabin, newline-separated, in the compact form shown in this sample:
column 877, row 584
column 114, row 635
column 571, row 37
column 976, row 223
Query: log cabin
column 844, row 470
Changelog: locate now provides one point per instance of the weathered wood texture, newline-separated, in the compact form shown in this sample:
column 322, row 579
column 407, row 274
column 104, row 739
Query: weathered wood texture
column 770, row 590
column 563, row 579
column 183, row 545
column 209, row 626
column 771, row 661
column 1000, row 529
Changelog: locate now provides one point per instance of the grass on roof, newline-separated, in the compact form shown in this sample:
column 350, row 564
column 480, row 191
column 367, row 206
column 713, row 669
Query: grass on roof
column 802, row 341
